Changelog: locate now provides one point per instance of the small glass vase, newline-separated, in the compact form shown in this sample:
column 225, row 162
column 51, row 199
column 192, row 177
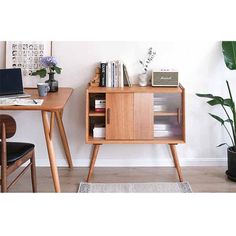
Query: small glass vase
column 53, row 84
column 143, row 79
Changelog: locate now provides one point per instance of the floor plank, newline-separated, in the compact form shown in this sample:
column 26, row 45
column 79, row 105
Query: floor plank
column 201, row 179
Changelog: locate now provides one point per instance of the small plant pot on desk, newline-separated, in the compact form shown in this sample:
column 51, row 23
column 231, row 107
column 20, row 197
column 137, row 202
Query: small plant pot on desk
column 231, row 172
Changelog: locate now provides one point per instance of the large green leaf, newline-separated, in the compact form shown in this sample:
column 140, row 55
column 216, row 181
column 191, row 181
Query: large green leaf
column 229, row 51
column 217, row 118
column 57, row 69
column 204, row 95
column 222, row 144
column 42, row 73
column 216, row 101
column 229, row 121
column 229, row 102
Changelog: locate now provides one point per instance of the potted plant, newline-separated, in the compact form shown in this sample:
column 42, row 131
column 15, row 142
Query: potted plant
column 143, row 77
column 49, row 65
column 228, row 106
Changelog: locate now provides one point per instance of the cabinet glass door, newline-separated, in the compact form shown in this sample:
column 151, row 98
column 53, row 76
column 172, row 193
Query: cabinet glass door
column 168, row 122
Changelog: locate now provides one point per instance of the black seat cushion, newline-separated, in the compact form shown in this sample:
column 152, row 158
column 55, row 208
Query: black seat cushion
column 15, row 151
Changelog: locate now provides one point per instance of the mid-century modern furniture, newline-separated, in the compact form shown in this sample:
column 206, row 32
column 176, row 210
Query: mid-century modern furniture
column 13, row 155
column 131, row 115
column 54, row 103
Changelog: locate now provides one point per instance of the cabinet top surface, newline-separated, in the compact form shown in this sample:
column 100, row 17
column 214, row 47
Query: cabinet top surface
column 136, row 89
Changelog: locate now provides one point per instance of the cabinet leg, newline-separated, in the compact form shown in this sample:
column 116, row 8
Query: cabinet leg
column 93, row 160
column 176, row 161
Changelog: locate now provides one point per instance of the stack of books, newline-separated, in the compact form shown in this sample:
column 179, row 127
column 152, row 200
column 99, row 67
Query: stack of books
column 114, row 75
column 162, row 130
column 100, row 105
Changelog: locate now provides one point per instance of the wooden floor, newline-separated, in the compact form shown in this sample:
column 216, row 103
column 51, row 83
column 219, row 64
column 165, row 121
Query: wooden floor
column 201, row 179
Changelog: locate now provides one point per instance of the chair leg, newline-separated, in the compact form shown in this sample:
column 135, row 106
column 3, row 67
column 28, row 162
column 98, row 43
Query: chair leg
column 33, row 173
column 3, row 181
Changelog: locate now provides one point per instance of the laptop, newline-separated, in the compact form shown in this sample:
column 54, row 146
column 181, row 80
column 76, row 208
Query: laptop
column 11, row 84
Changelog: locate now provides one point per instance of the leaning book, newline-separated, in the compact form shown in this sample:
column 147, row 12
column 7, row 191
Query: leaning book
column 20, row 102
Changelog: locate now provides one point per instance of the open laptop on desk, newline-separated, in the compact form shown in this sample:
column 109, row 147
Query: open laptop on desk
column 11, row 85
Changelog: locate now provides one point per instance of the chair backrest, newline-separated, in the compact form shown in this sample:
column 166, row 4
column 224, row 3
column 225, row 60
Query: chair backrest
column 10, row 125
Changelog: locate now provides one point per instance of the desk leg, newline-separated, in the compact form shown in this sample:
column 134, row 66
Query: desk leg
column 51, row 153
column 93, row 160
column 176, row 161
column 63, row 137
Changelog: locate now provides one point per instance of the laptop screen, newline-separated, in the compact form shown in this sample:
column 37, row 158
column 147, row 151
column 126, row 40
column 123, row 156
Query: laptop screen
column 11, row 81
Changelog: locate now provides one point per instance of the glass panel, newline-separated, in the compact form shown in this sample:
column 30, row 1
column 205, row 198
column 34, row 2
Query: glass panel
column 167, row 116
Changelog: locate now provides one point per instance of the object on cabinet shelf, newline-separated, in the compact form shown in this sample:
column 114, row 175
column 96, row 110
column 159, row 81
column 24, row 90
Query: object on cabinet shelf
column 161, row 126
column 102, row 82
column 165, row 78
column 100, row 105
column 162, row 133
column 143, row 79
column 113, row 74
column 99, row 131
column 127, row 81
column 96, row 79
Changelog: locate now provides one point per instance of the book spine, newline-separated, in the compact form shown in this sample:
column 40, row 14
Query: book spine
column 112, row 75
column 108, row 82
column 121, row 74
column 103, row 75
column 116, row 80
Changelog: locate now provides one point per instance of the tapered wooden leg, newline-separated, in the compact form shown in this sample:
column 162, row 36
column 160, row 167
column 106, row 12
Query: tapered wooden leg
column 51, row 153
column 33, row 174
column 93, row 160
column 3, row 181
column 64, row 138
column 176, row 161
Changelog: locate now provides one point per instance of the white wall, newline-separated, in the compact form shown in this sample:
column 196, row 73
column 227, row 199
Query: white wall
column 201, row 69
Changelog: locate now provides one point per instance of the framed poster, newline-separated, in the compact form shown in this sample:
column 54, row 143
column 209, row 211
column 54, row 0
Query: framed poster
column 27, row 55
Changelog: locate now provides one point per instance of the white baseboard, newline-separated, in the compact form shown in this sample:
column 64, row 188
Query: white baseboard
column 147, row 162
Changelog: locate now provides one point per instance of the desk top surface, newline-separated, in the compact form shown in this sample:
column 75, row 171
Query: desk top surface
column 52, row 102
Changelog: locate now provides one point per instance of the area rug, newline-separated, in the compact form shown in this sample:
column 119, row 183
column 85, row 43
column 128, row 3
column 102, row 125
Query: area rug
column 162, row 187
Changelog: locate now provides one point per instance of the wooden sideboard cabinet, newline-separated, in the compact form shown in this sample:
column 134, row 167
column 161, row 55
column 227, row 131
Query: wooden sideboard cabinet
column 136, row 115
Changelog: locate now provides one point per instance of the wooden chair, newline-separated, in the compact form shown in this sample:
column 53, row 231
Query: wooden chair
column 13, row 155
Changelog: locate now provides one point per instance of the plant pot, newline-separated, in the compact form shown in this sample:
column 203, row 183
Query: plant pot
column 53, row 84
column 143, row 79
column 231, row 172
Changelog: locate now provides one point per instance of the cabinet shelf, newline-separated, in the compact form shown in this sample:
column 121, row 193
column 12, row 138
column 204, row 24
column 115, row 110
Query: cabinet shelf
column 165, row 140
column 160, row 113
column 94, row 113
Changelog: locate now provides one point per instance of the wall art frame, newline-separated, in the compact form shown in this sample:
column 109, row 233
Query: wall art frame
column 27, row 55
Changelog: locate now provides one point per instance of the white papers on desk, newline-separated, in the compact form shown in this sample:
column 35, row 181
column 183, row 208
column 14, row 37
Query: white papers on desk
column 20, row 102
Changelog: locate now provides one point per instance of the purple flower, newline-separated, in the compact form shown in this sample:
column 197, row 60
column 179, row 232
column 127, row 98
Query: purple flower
column 48, row 62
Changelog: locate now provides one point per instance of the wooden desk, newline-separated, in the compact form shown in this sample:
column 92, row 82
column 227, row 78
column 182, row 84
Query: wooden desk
column 54, row 103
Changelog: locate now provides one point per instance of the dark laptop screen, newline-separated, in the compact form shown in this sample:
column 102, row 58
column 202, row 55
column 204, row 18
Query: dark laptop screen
column 11, row 81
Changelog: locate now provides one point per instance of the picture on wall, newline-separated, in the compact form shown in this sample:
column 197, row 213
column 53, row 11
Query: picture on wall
column 27, row 56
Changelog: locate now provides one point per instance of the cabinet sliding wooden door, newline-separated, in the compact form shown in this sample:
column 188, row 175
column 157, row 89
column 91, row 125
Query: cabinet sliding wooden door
column 119, row 116
column 143, row 116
